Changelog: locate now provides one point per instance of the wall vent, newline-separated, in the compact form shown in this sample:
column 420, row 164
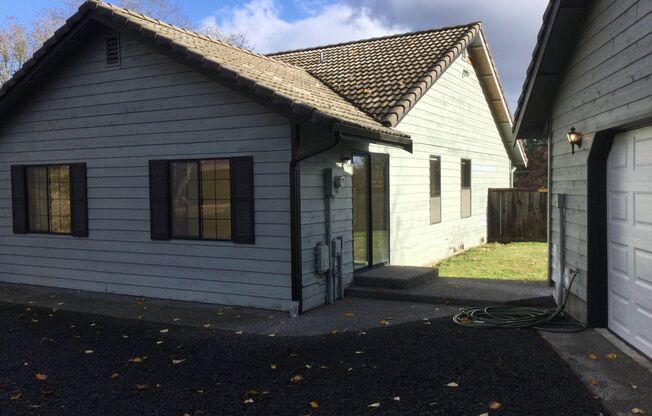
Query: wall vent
column 113, row 51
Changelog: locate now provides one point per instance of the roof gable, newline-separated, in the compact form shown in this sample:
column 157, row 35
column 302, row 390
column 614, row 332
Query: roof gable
column 385, row 76
column 284, row 87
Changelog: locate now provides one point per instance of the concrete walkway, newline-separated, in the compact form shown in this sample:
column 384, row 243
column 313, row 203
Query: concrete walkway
column 465, row 292
column 344, row 315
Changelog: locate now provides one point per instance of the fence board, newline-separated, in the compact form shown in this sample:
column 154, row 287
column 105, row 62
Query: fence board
column 517, row 214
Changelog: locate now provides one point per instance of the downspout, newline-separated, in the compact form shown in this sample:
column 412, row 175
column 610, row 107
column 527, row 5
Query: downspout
column 295, row 212
column 550, row 245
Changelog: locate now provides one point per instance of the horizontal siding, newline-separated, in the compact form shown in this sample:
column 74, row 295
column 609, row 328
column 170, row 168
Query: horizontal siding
column 607, row 81
column 453, row 121
column 116, row 120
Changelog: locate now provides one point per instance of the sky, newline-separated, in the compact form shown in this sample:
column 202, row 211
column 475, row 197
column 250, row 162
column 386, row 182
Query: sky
column 511, row 26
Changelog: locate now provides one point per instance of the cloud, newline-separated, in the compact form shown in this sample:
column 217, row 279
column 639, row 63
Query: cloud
column 267, row 31
column 511, row 26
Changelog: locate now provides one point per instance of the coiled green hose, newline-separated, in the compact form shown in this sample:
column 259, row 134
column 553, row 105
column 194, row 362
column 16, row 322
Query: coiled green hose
column 543, row 319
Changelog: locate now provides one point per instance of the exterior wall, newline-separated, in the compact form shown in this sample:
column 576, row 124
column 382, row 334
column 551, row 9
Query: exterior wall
column 454, row 121
column 607, row 82
column 115, row 120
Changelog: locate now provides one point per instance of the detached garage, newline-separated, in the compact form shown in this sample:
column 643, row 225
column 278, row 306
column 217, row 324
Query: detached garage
column 589, row 91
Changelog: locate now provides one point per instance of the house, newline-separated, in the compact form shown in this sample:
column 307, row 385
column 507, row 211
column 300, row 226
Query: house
column 591, row 72
column 141, row 158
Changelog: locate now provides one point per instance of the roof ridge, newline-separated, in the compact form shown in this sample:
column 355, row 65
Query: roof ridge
column 373, row 39
column 135, row 13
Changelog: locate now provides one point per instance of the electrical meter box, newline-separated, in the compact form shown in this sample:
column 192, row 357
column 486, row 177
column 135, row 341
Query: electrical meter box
column 334, row 180
column 322, row 258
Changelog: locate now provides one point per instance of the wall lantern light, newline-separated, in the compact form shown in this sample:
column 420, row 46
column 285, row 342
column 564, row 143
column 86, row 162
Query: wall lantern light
column 574, row 138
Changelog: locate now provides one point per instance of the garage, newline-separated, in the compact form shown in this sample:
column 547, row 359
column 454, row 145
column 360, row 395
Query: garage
column 629, row 235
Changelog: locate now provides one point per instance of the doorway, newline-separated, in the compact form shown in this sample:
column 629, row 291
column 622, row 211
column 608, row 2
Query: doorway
column 370, row 210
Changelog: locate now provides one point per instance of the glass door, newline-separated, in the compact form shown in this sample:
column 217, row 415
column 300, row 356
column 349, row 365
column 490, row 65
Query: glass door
column 370, row 210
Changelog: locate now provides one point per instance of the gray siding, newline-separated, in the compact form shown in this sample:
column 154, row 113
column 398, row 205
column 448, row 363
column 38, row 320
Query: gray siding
column 453, row 121
column 116, row 120
column 607, row 82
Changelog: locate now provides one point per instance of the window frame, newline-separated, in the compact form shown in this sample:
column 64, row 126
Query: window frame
column 432, row 159
column 464, row 188
column 200, row 191
column 47, row 190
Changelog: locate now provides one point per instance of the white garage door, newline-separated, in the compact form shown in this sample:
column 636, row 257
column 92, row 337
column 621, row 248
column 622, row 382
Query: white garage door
column 629, row 216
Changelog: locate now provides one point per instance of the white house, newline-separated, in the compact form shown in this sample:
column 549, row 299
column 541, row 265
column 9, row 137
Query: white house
column 141, row 158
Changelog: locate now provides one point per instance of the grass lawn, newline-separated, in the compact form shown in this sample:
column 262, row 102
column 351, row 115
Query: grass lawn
column 518, row 261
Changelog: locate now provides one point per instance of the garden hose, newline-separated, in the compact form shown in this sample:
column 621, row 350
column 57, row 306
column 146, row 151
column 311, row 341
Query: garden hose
column 543, row 319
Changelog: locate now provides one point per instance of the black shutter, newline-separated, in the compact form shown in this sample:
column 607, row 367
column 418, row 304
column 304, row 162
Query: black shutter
column 19, row 199
column 78, row 200
column 159, row 199
column 242, row 200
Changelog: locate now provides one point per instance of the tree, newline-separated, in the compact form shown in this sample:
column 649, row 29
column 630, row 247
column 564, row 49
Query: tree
column 18, row 42
column 535, row 175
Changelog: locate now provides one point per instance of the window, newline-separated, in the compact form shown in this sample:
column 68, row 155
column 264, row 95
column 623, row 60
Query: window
column 50, row 199
column 466, row 188
column 208, row 199
column 201, row 199
column 48, row 196
column 435, row 189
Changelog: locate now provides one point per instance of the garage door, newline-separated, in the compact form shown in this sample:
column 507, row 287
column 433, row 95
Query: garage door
column 629, row 216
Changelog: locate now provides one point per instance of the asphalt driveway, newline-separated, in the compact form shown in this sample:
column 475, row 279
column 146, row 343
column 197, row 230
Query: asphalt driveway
column 65, row 363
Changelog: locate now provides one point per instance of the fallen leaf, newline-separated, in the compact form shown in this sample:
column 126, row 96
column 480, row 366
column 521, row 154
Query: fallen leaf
column 495, row 405
column 16, row 396
column 397, row 398
column 593, row 356
column 374, row 405
column 136, row 360
column 452, row 384
column 484, row 414
column 348, row 314
column 176, row 319
column 114, row 376
column 293, row 355
column 384, row 322
column 248, row 401
column 359, row 352
column 274, row 366
column 125, row 336
column 46, row 339
column 140, row 301
column 252, row 392
column 638, row 411
column 178, row 361
column 634, row 386
column 238, row 332
column 142, row 386
column 612, row 356
column 164, row 331
column 593, row 382
column 159, row 342
column 272, row 335
column 41, row 377
column 297, row 379
column 207, row 325
column 88, row 352
column 314, row 404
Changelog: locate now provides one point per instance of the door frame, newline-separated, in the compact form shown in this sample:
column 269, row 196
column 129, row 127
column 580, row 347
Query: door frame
column 369, row 239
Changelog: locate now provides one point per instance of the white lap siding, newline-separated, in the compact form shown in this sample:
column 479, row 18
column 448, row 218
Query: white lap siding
column 116, row 120
column 453, row 121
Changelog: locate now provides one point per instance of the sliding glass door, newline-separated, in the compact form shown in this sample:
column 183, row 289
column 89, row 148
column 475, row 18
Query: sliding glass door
column 370, row 210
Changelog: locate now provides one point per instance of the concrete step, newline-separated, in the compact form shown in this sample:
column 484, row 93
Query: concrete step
column 464, row 292
column 395, row 277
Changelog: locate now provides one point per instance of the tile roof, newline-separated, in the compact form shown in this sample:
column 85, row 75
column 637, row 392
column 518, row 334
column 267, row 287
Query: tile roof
column 385, row 76
column 283, row 84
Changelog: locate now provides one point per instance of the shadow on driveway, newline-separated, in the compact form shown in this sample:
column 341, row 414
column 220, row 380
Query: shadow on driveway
column 93, row 367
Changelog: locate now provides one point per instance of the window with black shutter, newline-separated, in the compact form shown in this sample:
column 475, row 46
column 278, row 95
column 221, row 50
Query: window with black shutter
column 209, row 199
column 50, row 199
column 435, row 189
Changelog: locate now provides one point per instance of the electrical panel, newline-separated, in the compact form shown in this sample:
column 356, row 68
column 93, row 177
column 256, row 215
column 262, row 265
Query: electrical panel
column 333, row 181
column 322, row 258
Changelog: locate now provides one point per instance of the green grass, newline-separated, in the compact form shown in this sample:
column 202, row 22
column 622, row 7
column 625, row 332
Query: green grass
column 517, row 261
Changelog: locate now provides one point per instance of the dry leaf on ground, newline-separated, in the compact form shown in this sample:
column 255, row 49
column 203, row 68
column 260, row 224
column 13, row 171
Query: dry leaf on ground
column 374, row 405
column 178, row 361
column 164, row 331
column 593, row 356
column 297, row 379
column 136, row 360
column 638, row 411
column 142, row 386
column 41, row 377
column 348, row 314
column 593, row 382
column 114, row 376
column 452, row 384
column 612, row 356
column 314, row 404
column 495, row 405
column 16, row 396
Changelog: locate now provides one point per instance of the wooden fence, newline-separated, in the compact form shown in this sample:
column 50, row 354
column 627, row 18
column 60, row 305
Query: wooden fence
column 517, row 214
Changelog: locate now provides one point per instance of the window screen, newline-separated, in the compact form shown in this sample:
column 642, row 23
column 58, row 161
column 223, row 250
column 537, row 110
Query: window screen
column 48, row 195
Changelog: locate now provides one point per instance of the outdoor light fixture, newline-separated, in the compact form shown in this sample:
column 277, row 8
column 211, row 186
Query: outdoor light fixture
column 574, row 138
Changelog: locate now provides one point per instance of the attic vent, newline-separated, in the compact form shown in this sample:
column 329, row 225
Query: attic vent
column 113, row 51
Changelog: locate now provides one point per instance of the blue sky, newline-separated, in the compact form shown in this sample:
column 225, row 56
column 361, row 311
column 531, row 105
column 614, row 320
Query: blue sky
column 511, row 26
